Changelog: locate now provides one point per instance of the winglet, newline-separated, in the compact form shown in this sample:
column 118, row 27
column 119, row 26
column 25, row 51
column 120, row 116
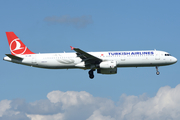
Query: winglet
column 72, row 48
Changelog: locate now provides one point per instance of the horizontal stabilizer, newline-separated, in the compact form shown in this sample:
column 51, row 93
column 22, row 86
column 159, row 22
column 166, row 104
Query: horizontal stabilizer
column 14, row 57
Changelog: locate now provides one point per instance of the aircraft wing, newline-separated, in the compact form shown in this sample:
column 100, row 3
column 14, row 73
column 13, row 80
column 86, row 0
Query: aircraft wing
column 86, row 57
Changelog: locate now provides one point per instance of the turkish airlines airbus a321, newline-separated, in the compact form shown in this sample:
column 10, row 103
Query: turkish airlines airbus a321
column 103, row 62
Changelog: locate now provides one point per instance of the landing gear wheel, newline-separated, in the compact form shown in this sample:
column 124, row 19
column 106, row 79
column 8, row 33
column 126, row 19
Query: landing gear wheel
column 157, row 72
column 91, row 74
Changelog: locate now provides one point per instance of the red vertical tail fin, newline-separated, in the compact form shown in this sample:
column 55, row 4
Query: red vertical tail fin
column 16, row 45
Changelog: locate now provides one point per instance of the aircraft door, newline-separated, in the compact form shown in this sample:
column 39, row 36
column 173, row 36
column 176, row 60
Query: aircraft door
column 157, row 55
column 34, row 62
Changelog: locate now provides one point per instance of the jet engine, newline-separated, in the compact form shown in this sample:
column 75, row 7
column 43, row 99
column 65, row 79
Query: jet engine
column 107, row 67
column 108, row 64
column 107, row 71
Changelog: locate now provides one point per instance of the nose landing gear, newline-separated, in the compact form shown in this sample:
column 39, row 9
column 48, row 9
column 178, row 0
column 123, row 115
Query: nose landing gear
column 157, row 72
column 91, row 74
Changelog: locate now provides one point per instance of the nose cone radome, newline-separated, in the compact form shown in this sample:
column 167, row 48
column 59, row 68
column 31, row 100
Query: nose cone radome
column 174, row 60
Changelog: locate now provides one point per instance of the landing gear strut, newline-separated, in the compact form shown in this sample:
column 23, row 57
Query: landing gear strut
column 157, row 72
column 91, row 74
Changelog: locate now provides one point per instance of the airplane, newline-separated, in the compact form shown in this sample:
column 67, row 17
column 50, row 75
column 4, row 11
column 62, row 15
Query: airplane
column 103, row 62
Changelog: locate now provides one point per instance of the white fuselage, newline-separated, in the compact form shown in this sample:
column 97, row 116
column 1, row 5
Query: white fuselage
column 71, row 60
column 103, row 62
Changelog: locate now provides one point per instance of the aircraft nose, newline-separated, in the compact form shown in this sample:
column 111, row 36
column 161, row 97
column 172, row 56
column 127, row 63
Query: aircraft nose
column 174, row 60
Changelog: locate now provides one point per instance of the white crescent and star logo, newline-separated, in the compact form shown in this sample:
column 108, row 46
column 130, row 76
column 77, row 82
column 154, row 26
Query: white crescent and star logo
column 16, row 47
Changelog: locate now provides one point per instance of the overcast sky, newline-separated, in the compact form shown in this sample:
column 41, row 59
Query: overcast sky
column 53, row 26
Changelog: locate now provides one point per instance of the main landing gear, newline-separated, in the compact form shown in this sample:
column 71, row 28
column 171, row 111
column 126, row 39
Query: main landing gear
column 91, row 74
column 157, row 72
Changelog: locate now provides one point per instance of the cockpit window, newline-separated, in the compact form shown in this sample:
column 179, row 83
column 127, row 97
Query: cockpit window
column 167, row 55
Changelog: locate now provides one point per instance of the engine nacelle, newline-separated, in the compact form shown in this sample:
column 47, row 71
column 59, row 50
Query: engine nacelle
column 108, row 64
column 107, row 71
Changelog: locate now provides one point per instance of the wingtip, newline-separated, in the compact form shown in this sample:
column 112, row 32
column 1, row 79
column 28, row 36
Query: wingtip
column 72, row 48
